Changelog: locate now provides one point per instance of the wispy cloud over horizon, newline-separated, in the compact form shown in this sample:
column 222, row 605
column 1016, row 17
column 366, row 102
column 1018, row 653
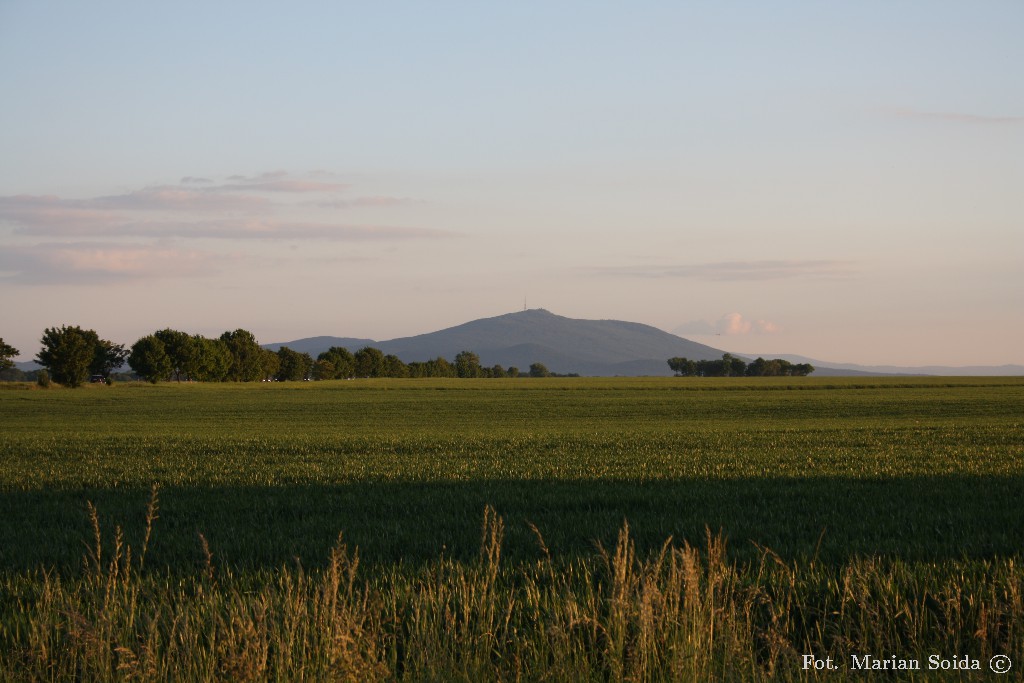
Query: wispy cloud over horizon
column 281, row 181
column 154, row 232
column 283, row 229
column 370, row 202
column 296, row 186
column 734, row 270
column 72, row 263
column 225, row 211
column 166, row 198
column 957, row 117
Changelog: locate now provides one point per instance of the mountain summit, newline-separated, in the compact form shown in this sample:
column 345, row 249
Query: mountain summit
column 564, row 345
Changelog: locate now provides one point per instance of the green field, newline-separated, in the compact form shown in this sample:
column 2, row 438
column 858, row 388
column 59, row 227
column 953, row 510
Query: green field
column 920, row 469
column 925, row 476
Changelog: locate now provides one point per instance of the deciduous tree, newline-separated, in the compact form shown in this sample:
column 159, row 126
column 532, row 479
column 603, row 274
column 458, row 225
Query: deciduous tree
column 68, row 353
column 107, row 357
column 467, row 364
column 270, row 364
column 149, row 359
column 369, row 362
column 182, row 351
column 293, row 366
column 341, row 359
column 539, row 370
column 247, row 358
column 213, row 362
column 7, row 354
column 683, row 367
column 394, row 367
column 323, row 369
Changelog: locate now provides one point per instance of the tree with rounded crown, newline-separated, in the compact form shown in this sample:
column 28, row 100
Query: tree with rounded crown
column 293, row 365
column 212, row 360
column 68, row 353
column 182, row 350
column 149, row 359
column 247, row 358
column 467, row 364
column 369, row 362
column 341, row 360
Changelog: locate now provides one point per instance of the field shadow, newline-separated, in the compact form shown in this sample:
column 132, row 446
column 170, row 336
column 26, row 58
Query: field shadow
column 918, row 518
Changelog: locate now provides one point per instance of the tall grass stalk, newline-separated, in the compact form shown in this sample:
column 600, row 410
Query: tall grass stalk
column 684, row 613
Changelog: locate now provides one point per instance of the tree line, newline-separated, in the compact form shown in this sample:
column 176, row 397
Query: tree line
column 72, row 355
column 731, row 366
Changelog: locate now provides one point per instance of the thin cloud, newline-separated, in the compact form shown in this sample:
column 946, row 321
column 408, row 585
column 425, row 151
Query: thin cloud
column 280, row 181
column 115, row 214
column 269, row 229
column 370, row 202
column 260, row 177
column 29, row 213
column 233, row 211
column 734, row 270
column 233, row 229
column 958, row 117
column 192, row 180
column 297, row 186
column 163, row 198
column 100, row 263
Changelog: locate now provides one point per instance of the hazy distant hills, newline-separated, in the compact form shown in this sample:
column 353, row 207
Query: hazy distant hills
column 942, row 370
column 564, row 345
column 588, row 347
column 314, row 346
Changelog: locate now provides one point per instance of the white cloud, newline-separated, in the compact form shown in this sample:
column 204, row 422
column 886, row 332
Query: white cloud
column 729, row 324
column 733, row 323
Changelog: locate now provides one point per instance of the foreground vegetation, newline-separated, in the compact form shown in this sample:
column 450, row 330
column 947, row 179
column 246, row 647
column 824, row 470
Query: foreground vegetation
column 683, row 614
column 846, row 517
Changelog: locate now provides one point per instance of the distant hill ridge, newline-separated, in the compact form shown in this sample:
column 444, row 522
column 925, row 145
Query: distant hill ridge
column 564, row 345
column 589, row 347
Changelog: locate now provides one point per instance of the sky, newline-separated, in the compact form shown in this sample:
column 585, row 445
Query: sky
column 843, row 181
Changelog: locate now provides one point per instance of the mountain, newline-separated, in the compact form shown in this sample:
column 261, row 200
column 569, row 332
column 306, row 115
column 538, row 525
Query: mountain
column 314, row 346
column 590, row 347
column 564, row 345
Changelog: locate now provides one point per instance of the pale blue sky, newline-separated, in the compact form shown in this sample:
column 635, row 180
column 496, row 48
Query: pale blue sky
column 839, row 181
